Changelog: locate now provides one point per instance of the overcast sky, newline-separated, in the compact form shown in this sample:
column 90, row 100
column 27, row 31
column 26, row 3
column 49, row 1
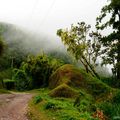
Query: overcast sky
column 49, row 15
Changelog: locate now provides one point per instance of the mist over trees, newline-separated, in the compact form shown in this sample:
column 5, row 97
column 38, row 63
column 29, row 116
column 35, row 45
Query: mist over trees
column 20, row 43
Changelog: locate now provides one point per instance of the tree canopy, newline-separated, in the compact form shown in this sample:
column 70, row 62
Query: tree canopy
column 83, row 44
column 110, row 17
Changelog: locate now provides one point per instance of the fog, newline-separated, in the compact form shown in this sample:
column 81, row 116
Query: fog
column 42, row 18
column 46, row 16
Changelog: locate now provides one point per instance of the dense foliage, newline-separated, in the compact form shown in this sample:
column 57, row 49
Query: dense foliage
column 111, row 42
column 65, row 91
column 35, row 72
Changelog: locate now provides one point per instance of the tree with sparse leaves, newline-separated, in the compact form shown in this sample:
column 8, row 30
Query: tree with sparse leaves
column 83, row 44
column 110, row 17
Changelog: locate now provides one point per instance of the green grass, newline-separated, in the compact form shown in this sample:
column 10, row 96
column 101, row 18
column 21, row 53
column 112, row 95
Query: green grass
column 44, row 107
column 57, row 108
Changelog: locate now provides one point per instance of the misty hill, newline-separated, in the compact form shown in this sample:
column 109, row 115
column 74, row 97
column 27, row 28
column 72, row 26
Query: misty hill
column 29, row 41
column 21, row 43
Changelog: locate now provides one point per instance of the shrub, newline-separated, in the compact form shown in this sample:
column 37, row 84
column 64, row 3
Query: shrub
column 22, row 82
column 38, row 69
column 37, row 99
column 35, row 72
column 50, row 105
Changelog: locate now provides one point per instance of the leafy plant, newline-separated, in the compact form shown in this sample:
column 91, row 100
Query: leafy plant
column 37, row 99
column 50, row 105
column 22, row 82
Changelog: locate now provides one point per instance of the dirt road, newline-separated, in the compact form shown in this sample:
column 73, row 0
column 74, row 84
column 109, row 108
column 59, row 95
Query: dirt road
column 14, row 106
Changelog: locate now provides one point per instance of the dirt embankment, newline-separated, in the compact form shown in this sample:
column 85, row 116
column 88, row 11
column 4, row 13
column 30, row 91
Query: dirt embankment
column 14, row 106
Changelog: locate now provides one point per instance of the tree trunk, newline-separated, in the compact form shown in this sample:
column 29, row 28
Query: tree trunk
column 90, row 66
column 86, row 67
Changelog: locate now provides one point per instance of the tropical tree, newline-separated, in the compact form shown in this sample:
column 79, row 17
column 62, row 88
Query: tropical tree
column 110, row 17
column 83, row 44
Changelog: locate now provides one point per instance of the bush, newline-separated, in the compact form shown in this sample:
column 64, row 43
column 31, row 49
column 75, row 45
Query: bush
column 37, row 99
column 50, row 105
column 38, row 69
column 35, row 72
column 22, row 82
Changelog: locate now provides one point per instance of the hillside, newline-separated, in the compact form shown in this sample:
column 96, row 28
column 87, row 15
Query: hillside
column 74, row 94
column 26, row 40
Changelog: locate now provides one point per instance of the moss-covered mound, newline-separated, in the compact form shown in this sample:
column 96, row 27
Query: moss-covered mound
column 63, row 90
column 67, row 74
column 77, row 78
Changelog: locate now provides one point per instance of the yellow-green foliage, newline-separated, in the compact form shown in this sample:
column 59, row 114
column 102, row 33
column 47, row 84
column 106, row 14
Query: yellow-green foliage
column 63, row 91
column 79, row 79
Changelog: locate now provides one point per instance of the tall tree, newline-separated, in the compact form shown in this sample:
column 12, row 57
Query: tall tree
column 110, row 17
column 82, row 44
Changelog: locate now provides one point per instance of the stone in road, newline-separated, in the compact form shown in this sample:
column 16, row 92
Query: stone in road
column 14, row 106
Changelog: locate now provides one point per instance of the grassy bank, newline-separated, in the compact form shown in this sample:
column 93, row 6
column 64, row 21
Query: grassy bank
column 44, row 107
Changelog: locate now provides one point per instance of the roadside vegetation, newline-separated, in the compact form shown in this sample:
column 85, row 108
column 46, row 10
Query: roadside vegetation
column 68, row 86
